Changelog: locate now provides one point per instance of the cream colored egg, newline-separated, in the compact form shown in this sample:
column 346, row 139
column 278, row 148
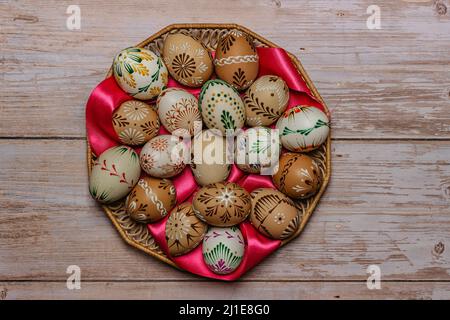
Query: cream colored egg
column 223, row 249
column 303, row 128
column 188, row 60
column 256, row 149
column 140, row 73
column 163, row 156
column 265, row 100
column 114, row 174
column 178, row 110
column 209, row 158
column 221, row 106
column 274, row 214
column 151, row 200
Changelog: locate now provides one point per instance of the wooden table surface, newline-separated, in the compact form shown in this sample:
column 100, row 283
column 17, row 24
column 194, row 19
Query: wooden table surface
column 388, row 202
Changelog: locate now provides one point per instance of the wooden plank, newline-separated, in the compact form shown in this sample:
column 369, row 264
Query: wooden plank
column 388, row 83
column 387, row 204
column 230, row 291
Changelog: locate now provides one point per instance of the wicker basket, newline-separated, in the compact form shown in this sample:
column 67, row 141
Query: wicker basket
column 137, row 235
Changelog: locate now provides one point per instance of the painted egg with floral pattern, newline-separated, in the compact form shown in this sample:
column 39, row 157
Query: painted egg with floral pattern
column 178, row 110
column 222, row 204
column 298, row 176
column 188, row 60
column 163, row 156
column 223, row 249
column 151, row 199
column 303, row 128
column 114, row 173
column 221, row 106
column 257, row 148
column 209, row 158
column 236, row 59
column 135, row 122
column 265, row 100
column 140, row 73
column 274, row 214
column 184, row 230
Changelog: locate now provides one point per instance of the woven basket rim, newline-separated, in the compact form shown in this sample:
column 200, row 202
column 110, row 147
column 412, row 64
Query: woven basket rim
column 227, row 26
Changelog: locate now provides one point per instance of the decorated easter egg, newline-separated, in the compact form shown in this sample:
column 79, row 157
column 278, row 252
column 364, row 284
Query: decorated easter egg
column 178, row 110
column 223, row 249
column 265, row 100
column 303, row 128
column 140, row 73
column 184, row 230
column 209, row 158
column 298, row 176
column 151, row 199
column 236, row 59
column 188, row 60
column 222, row 204
column 257, row 147
column 221, row 106
column 163, row 156
column 114, row 174
column 135, row 122
column 274, row 214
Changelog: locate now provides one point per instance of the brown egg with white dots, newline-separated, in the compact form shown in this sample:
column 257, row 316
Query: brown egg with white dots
column 274, row 214
column 222, row 204
column 298, row 176
column 151, row 200
column 184, row 230
column 236, row 60
column 135, row 122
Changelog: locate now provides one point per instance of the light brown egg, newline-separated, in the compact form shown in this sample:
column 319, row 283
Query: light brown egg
column 184, row 230
column 298, row 176
column 188, row 60
column 265, row 100
column 222, row 204
column 135, row 122
column 274, row 214
column 209, row 163
column 236, row 60
column 151, row 200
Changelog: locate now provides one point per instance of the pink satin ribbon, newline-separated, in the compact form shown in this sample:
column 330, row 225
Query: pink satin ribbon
column 107, row 96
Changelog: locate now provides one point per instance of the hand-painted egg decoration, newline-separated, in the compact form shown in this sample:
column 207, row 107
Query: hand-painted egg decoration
column 140, row 73
column 223, row 249
column 274, row 214
column 209, row 158
column 151, row 200
column 257, row 148
column 236, row 59
column 222, row 204
column 221, row 106
column 303, row 128
column 114, row 174
column 135, row 122
column 265, row 100
column 298, row 176
column 184, row 230
column 163, row 156
column 178, row 110
column 188, row 60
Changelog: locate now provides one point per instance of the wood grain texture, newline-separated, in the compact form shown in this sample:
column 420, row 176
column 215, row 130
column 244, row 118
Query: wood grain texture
column 387, row 83
column 206, row 290
column 388, row 202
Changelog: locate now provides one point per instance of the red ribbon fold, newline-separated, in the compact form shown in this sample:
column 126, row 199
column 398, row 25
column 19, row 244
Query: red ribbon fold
column 107, row 96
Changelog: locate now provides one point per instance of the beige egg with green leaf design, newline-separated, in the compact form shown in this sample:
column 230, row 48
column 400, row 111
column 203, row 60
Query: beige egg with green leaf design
column 114, row 174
